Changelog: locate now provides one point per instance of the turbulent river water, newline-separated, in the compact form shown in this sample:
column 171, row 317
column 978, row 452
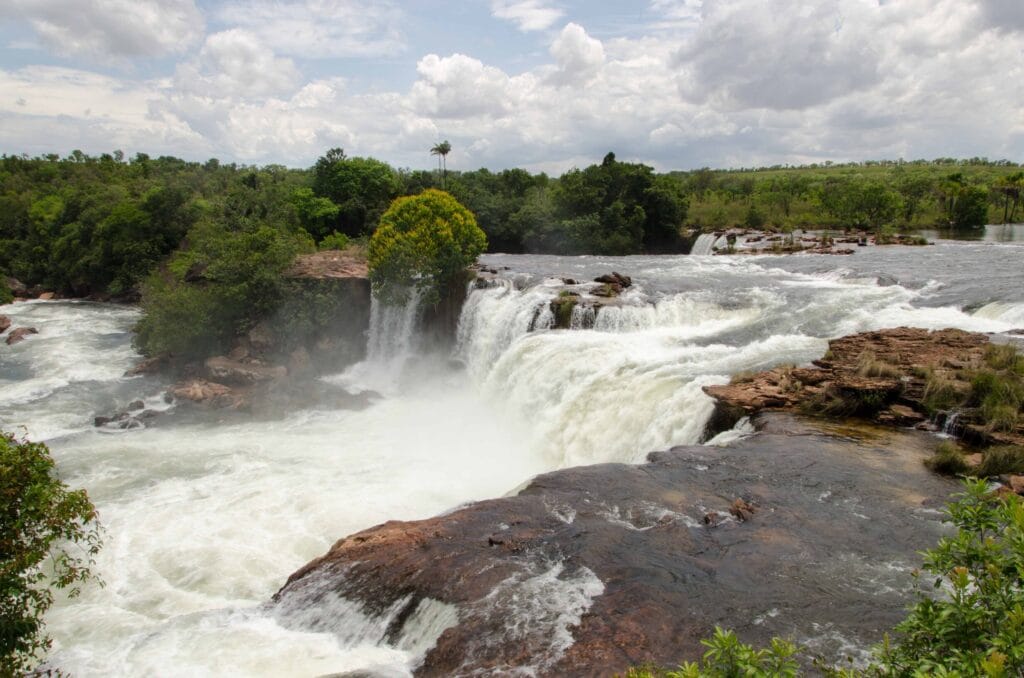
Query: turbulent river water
column 204, row 519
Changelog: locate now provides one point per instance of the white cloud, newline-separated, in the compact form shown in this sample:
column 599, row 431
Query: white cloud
column 830, row 79
column 528, row 15
column 235, row 63
column 320, row 28
column 112, row 30
column 579, row 57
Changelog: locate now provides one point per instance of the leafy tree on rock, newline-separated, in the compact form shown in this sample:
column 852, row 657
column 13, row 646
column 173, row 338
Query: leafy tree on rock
column 360, row 187
column 425, row 242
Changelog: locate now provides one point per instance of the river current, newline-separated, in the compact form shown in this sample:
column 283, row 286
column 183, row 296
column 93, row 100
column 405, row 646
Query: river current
column 204, row 519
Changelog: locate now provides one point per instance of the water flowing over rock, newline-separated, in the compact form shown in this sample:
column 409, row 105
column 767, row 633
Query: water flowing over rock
column 5, row 323
column 614, row 565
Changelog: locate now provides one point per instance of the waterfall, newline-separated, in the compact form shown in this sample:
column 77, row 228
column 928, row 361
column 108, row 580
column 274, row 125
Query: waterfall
column 703, row 244
column 391, row 343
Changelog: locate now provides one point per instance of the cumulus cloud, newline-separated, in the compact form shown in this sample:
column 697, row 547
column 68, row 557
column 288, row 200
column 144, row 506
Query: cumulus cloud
column 579, row 57
column 1005, row 15
column 112, row 30
column 737, row 85
column 320, row 28
column 749, row 54
column 528, row 15
column 236, row 63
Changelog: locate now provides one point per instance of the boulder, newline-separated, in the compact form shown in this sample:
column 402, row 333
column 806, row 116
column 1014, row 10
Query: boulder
column 47, row 296
column 231, row 371
column 19, row 334
column 147, row 366
column 208, row 393
column 261, row 337
column 614, row 278
column 18, row 288
column 5, row 322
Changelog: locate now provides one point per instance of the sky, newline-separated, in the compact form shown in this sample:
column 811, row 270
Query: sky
column 541, row 84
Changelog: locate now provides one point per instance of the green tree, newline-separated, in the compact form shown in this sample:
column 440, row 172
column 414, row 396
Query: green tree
column 362, row 188
column 970, row 209
column 49, row 538
column 426, row 242
column 442, row 150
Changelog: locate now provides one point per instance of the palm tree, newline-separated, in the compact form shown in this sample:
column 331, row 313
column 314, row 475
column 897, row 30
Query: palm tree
column 442, row 150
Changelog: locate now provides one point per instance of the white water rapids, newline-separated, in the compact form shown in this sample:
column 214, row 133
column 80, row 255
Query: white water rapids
column 205, row 520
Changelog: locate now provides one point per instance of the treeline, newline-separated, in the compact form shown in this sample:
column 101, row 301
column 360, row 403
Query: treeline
column 942, row 193
column 84, row 225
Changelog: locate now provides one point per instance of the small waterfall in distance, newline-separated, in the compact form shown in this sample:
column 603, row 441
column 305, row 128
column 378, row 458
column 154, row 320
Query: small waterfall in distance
column 703, row 244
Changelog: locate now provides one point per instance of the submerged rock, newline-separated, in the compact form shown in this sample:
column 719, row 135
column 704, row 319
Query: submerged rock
column 588, row 571
column 19, row 335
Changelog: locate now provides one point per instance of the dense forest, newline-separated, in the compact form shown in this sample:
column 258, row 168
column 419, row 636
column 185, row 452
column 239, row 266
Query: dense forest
column 102, row 226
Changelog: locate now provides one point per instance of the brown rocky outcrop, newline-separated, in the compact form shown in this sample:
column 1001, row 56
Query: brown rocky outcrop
column 588, row 571
column 19, row 334
column 350, row 263
column 209, row 394
column 224, row 369
column 5, row 323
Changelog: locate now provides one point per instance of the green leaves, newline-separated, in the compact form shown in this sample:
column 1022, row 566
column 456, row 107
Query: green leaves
column 48, row 540
column 423, row 241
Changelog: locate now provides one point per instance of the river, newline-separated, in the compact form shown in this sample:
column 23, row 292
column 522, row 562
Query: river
column 204, row 519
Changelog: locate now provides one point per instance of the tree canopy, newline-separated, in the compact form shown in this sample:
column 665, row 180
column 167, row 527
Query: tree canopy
column 423, row 242
column 48, row 539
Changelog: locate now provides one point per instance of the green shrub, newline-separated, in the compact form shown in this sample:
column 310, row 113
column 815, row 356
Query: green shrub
column 941, row 393
column 48, row 539
column 424, row 241
column 727, row 657
column 948, row 460
column 870, row 366
column 1000, row 460
column 6, row 296
column 976, row 628
column 241, row 283
column 334, row 241
column 1004, row 357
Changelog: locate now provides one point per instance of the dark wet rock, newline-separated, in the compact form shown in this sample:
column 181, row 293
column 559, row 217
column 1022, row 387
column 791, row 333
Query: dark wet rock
column 136, row 405
column 101, row 421
column 827, row 555
column 614, row 278
column 19, row 334
column 148, row 366
column 569, row 281
column 5, row 323
column 607, row 290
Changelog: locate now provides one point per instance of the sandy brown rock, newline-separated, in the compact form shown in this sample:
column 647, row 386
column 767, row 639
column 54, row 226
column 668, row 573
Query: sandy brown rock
column 5, row 323
column 350, row 263
column 209, row 394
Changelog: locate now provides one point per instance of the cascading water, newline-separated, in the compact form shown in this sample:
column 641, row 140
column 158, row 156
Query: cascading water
column 205, row 520
column 703, row 244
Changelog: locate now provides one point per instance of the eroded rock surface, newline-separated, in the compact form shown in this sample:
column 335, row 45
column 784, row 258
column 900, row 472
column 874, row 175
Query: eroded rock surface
column 20, row 334
column 590, row 570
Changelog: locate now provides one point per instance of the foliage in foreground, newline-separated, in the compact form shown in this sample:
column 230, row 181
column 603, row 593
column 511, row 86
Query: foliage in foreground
column 48, row 539
column 972, row 624
column 423, row 241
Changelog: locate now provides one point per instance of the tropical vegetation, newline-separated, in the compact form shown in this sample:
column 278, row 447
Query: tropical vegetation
column 49, row 537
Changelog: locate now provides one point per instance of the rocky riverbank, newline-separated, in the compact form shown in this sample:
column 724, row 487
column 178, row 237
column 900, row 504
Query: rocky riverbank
column 903, row 377
column 805, row 530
